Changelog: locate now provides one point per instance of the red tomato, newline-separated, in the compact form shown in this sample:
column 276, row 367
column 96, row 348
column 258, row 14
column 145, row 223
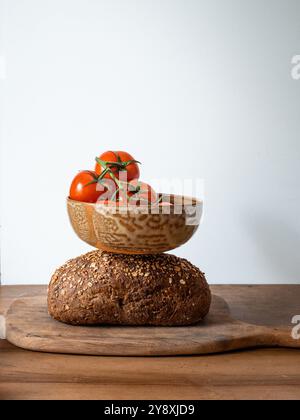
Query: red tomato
column 140, row 193
column 85, row 187
column 119, row 163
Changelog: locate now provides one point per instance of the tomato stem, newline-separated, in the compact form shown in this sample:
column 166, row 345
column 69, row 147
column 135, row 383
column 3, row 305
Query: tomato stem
column 121, row 166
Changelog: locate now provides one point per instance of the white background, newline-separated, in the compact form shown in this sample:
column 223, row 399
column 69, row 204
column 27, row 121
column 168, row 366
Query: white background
column 192, row 88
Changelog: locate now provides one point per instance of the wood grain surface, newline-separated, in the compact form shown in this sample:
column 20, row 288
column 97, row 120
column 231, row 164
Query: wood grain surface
column 10, row 293
column 29, row 326
column 253, row 374
column 258, row 374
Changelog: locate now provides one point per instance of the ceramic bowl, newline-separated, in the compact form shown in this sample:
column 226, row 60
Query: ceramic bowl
column 136, row 230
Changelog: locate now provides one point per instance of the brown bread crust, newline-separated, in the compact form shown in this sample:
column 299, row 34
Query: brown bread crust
column 104, row 288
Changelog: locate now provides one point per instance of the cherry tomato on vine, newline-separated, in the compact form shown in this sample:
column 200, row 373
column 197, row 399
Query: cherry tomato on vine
column 118, row 163
column 85, row 187
column 140, row 193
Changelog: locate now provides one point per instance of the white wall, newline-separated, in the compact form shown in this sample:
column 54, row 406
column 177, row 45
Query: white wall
column 204, row 81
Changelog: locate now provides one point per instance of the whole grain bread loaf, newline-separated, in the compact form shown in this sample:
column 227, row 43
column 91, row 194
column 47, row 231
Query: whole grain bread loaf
column 104, row 288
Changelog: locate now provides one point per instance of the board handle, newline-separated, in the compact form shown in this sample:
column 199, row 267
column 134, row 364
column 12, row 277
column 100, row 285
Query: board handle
column 259, row 336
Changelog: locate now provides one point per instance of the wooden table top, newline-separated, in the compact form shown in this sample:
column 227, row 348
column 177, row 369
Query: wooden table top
column 254, row 374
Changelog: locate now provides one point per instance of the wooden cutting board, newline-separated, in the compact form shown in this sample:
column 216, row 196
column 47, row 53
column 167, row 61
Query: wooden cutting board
column 29, row 326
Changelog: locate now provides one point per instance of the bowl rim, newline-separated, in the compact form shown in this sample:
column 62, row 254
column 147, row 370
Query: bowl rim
column 194, row 202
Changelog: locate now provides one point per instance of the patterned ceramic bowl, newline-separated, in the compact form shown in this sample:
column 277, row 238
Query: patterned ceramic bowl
column 137, row 230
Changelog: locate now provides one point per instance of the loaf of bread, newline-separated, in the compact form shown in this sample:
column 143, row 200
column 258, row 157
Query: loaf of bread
column 104, row 288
